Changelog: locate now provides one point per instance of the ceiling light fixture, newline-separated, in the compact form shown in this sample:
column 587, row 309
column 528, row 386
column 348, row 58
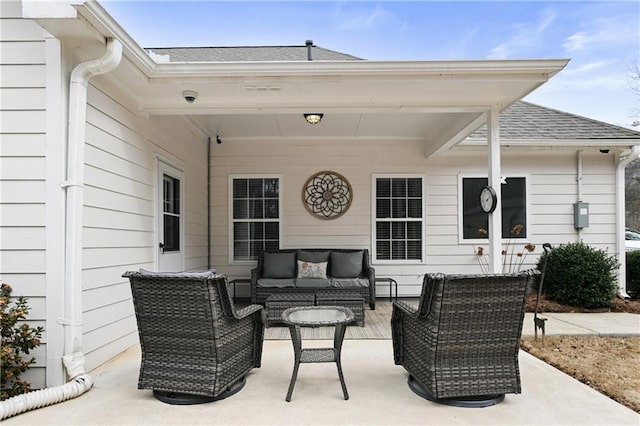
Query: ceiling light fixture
column 313, row 118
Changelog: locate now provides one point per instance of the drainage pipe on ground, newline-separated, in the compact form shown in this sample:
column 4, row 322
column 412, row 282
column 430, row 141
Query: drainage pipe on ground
column 79, row 380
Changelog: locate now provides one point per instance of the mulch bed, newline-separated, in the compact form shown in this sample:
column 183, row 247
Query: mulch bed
column 631, row 306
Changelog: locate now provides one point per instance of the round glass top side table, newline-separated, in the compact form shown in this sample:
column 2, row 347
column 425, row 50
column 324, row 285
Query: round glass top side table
column 317, row 316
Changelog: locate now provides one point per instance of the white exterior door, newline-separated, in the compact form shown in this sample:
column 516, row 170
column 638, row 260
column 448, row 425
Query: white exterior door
column 171, row 220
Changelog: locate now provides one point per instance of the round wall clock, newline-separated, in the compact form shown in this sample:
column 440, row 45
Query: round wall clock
column 488, row 199
column 327, row 195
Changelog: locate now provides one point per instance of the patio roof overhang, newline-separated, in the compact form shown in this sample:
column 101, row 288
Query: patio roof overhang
column 438, row 102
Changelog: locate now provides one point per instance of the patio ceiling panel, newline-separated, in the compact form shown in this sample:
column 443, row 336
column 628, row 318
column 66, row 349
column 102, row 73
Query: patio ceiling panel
column 341, row 125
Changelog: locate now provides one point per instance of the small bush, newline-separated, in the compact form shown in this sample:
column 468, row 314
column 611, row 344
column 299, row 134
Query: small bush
column 633, row 273
column 580, row 275
column 16, row 340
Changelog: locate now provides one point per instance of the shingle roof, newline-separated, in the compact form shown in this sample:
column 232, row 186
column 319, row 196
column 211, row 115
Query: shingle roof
column 524, row 120
column 249, row 54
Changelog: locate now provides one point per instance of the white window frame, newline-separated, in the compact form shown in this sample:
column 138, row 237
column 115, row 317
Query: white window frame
column 231, row 221
column 477, row 241
column 374, row 220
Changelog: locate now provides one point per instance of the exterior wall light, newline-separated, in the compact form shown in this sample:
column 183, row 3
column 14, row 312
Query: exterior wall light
column 313, row 118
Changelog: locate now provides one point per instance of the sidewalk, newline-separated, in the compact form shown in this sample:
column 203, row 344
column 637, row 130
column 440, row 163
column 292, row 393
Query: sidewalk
column 611, row 324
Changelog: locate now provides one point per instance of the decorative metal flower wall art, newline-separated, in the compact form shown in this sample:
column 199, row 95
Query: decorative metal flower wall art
column 327, row 195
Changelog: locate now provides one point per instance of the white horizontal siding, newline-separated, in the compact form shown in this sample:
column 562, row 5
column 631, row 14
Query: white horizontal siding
column 120, row 218
column 21, row 99
column 107, row 276
column 22, row 76
column 18, row 29
column 104, row 343
column 25, row 284
column 22, row 261
column 23, row 121
column 22, row 52
column 551, row 178
column 22, row 145
column 22, row 214
column 22, row 238
column 23, row 166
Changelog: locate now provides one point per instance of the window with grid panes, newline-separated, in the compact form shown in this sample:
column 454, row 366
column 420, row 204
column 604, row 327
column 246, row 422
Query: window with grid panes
column 256, row 216
column 399, row 218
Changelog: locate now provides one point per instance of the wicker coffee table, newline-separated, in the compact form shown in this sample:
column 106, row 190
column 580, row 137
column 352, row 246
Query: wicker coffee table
column 315, row 316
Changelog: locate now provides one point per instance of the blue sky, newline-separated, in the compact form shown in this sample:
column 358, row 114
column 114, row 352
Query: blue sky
column 601, row 38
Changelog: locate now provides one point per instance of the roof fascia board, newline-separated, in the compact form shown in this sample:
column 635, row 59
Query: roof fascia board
column 527, row 70
column 590, row 143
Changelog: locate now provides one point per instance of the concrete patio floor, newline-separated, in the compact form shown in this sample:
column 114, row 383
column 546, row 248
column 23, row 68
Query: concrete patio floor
column 378, row 391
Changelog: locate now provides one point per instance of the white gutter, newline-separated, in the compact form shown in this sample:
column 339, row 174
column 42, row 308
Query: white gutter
column 73, row 358
column 623, row 160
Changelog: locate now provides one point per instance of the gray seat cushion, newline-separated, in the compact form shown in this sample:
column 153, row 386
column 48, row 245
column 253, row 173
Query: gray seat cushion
column 276, row 282
column 349, row 282
column 346, row 265
column 313, row 282
column 279, row 265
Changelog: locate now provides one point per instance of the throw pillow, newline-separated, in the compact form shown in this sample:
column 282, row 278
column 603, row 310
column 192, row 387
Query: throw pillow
column 279, row 265
column 346, row 264
column 312, row 270
column 313, row 256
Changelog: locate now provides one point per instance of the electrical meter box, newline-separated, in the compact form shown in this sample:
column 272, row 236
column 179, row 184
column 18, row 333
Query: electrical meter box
column 580, row 215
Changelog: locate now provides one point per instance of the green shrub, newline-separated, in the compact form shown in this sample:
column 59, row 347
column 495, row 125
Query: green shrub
column 633, row 273
column 17, row 339
column 580, row 275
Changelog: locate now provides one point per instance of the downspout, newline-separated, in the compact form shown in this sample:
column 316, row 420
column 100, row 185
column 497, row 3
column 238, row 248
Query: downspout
column 74, row 186
column 73, row 358
column 623, row 160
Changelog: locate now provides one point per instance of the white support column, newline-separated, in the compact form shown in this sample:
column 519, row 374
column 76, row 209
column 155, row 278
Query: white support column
column 494, row 171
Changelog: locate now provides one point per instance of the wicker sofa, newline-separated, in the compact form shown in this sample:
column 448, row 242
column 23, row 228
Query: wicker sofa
column 300, row 271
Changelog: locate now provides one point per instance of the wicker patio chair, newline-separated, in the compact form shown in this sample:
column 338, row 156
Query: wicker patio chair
column 195, row 347
column 460, row 345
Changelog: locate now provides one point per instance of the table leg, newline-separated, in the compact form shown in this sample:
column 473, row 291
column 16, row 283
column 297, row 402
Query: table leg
column 337, row 346
column 297, row 350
